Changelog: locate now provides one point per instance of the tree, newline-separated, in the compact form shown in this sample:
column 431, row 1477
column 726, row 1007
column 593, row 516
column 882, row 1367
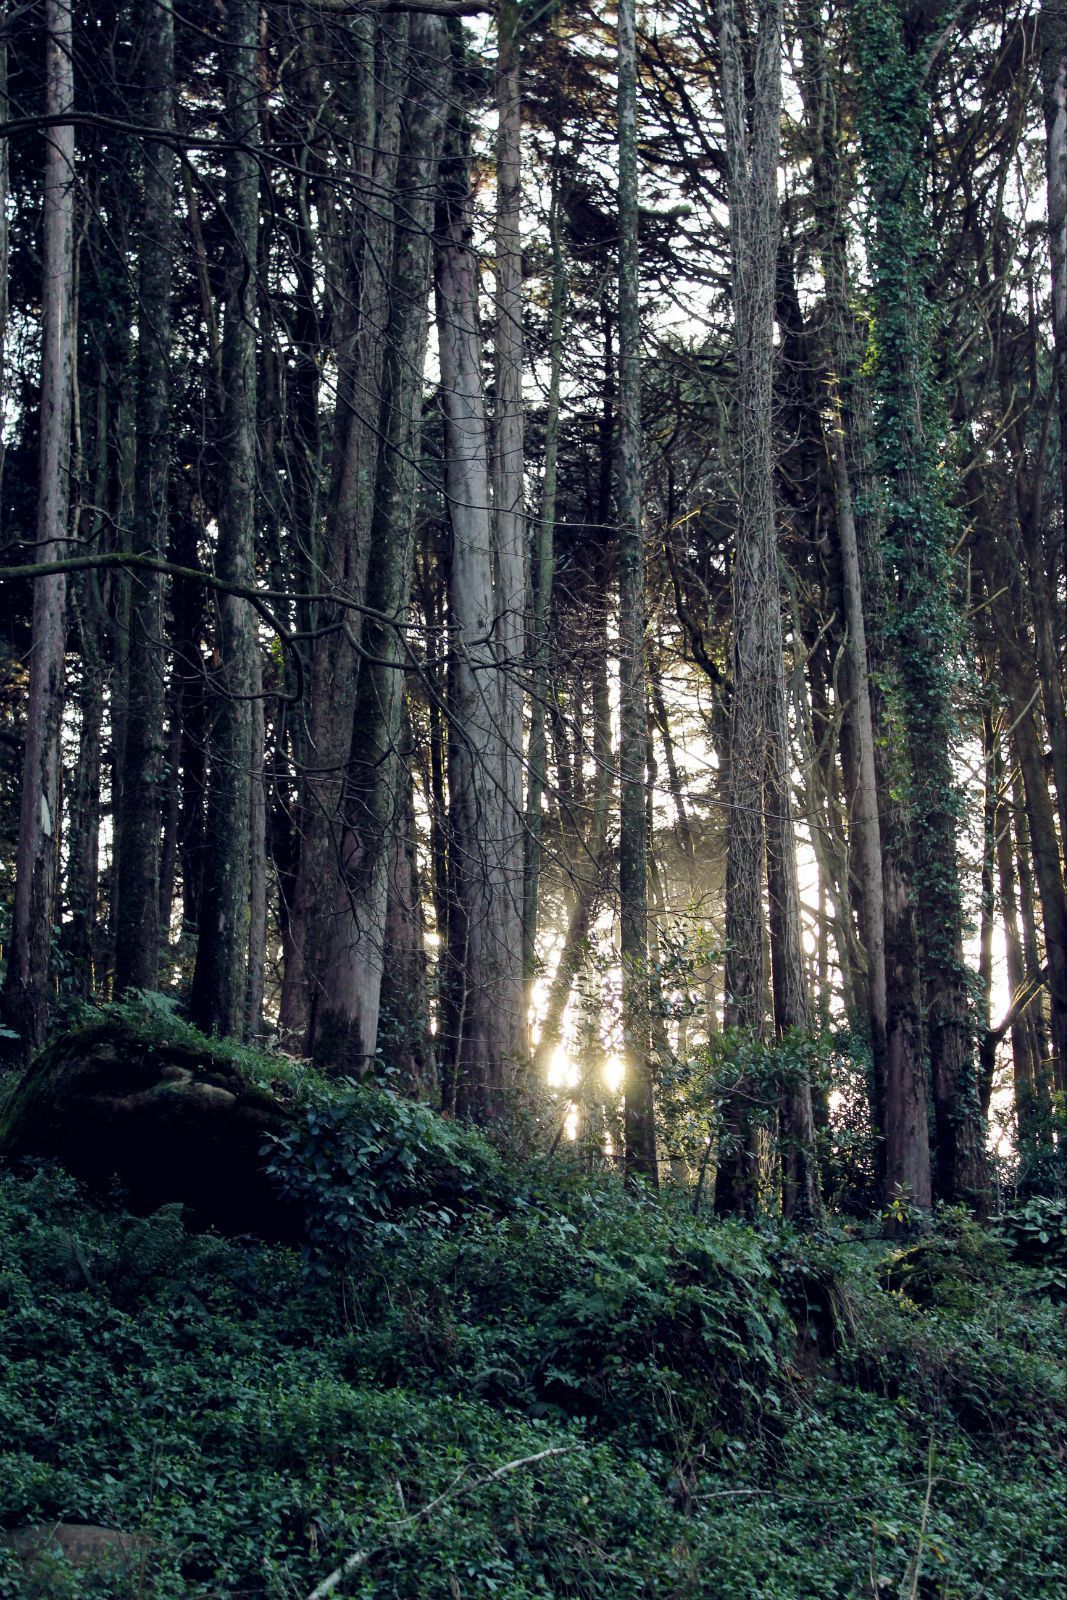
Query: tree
column 640, row 1133
column 139, row 819
column 484, row 1005
column 918, row 534
column 217, row 1000
column 26, row 986
column 348, row 1010
column 759, row 829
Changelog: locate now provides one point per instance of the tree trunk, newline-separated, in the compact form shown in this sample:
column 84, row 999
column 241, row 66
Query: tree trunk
column 800, row 1177
column 1029, row 1072
column 759, row 826
column 919, row 537
column 1016, row 677
column 486, row 1031
column 137, row 927
column 217, row 1001
column 508, row 497
column 345, row 1031
column 257, row 863
column 1054, row 97
column 358, row 287
column 639, row 1118
column 404, row 1020
column 83, row 804
column 5, row 184
column 1028, row 915
column 541, row 609
column 26, row 988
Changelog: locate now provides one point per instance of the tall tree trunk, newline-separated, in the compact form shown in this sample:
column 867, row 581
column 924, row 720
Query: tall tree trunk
column 26, row 988
column 541, row 609
column 919, row 535
column 137, row 928
column 1028, row 914
column 404, row 1025
column 303, row 456
column 879, row 876
column 1016, row 676
column 639, row 1119
column 320, row 914
column 346, row 1012
column 481, row 1051
column 760, row 825
column 255, row 981
column 800, row 1177
column 5, row 185
column 1029, row 1073
column 509, row 514
column 217, row 1000
column 83, row 804
column 1054, row 97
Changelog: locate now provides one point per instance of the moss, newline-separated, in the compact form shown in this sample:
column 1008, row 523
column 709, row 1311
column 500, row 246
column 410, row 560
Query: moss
column 171, row 1115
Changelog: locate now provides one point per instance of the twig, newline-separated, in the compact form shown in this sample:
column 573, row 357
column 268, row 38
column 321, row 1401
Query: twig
column 917, row 1558
column 456, row 1489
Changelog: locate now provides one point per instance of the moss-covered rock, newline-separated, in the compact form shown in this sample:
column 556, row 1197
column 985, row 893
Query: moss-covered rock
column 169, row 1118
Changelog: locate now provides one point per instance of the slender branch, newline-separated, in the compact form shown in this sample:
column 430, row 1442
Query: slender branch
column 456, row 1490
column 1020, row 1000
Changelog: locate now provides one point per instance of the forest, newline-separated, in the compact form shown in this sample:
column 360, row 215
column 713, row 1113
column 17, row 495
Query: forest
column 533, row 799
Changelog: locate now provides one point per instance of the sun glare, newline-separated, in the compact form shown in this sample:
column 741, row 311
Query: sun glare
column 614, row 1073
column 562, row 1071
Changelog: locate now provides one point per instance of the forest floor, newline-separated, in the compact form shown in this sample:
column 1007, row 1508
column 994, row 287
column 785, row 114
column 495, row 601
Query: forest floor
column 538, row 1386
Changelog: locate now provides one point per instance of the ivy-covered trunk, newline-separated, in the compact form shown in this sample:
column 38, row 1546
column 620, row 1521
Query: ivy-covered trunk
column 911, row 447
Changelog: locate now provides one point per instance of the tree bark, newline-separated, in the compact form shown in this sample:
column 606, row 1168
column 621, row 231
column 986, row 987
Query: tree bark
column 83, row 803
column 1016, row 678
column 541, row 609
column 137, row 929
column 404, row 1018
column 486, row 1032
column 217, row 1001
column 255, row 981
column 345, row 1030
column 358, row 274
column 509, row 496
column 639, row 1115
column 5, row 248
column 1053, row 69
column 26, row 987
column 760, row 826
column 1029, row 1070
column 919, row 535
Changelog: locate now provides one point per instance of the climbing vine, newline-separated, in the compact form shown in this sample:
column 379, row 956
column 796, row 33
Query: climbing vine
column 913, row 462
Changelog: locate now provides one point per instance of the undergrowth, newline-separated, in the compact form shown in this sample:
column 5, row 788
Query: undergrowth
column 717, row 1410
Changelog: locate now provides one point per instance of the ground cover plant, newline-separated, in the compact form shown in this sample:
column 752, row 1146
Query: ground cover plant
column 702, row 1408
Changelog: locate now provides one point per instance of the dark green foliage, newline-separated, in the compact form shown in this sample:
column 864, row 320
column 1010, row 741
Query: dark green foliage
column 1036, row 1233
column 952, row 1268
column 258, row 1423
column 362, row 1159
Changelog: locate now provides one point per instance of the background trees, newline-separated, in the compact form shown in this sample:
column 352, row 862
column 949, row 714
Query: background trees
column 722, row 473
